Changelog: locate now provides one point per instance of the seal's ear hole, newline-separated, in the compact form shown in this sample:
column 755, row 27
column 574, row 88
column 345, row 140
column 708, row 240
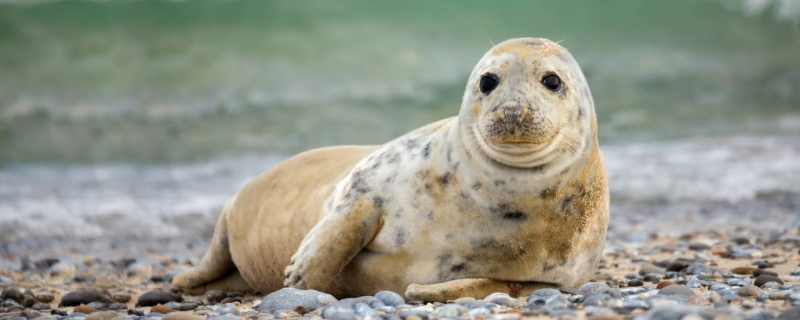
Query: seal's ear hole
column 488, row 83
column 551, row 82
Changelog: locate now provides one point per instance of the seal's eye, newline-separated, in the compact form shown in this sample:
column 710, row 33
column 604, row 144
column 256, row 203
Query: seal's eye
column 552, row 82
column 488, row 83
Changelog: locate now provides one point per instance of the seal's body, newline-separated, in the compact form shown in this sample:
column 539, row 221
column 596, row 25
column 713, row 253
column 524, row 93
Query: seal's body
column 509, row 196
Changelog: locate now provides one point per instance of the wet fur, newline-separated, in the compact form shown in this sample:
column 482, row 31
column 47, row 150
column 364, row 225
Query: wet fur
column 430, row 214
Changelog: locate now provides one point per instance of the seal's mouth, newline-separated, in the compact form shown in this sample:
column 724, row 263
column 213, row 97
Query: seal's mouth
column 515, row 151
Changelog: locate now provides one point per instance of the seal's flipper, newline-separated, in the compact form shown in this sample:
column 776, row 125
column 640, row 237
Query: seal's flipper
column 332, row 243
column 477, row 288
column 216, row 264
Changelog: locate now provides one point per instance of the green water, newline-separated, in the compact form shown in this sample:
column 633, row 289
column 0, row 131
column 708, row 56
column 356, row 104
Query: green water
column 170, row 82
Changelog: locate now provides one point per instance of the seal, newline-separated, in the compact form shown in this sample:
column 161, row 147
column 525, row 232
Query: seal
column 509, row 196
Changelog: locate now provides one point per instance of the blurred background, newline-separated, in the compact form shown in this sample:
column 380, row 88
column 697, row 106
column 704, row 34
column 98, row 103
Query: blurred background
column 141, row 118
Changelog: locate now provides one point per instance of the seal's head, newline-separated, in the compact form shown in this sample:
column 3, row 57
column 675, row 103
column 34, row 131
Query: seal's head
column 527, row 104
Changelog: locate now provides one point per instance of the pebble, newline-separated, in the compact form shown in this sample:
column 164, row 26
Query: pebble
column 743, row 270
column 677, row 290
column 84, row 309
column 30, row 314
column 759, row 272
column 697, row 300
column 121, row 297
column 602, row 299
column 450, row 311
column 152, row 298
column 591, row 288
column 228, row 310
column 679, row 265
column 647, row 269
column 181, row 316
column 748, row 291
column 664, row 284
column 390, row 298
column 291, row 299
column 502, row 299
column 102, row 315
column 652, row 277
column 162, row 309
column 12, row 293
column 635, row 283
column 76, row 298
column 790, row 314
column 763, row 279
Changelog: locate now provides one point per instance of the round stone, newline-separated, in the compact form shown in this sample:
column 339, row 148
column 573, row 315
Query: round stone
column 591, row 288
column 647, row 269
column 76, row 298
column 153, row 298
column 677, row 290
column 748, row 291
column 763, row 279
column 390, row 298
column 291, row 299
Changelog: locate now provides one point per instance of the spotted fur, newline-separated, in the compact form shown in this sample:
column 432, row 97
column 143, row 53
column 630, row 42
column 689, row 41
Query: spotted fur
column 510, row 195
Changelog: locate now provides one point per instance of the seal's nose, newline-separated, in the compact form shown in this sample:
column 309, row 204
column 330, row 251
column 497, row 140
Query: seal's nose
column 513, row 115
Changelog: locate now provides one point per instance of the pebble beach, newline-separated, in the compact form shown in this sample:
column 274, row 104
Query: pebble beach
column 738, row 274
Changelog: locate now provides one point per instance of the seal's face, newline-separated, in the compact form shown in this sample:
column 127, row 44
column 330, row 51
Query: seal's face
column 526, row 104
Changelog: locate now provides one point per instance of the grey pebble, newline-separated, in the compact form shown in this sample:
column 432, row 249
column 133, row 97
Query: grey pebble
column 479, row 312
column 387, row 309
column 363, row 310
column 290, row 299
column 450, row 311
column 339, row 311
column 648, row 269
column 599, row 311
column 737, row 282
column 652, row 277
column 634, row 304
column 762, row 315
column 790, row 314
column 475, row 304
column 228, row 310
column 224, row 317
column 250, row 313
column 172, row 305
column 603, row 300
column 575, row 299
column 677, row 289
column 563, row 314
column 502, row 299
column 694, row 284
column 422, row 314
column 591, row 288
column 719, row 287
column 390, row 298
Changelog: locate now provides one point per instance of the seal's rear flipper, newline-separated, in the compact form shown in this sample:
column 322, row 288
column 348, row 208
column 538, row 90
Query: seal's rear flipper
column 477, row 288
column 217, row 267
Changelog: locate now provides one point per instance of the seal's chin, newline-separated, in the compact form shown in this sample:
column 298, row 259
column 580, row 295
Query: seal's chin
column 516, row 151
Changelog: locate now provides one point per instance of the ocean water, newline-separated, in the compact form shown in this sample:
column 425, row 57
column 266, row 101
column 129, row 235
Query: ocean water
column 140, row 118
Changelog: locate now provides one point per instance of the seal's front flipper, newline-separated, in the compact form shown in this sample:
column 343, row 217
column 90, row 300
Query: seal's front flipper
column 332, row 243
column 477, row 288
